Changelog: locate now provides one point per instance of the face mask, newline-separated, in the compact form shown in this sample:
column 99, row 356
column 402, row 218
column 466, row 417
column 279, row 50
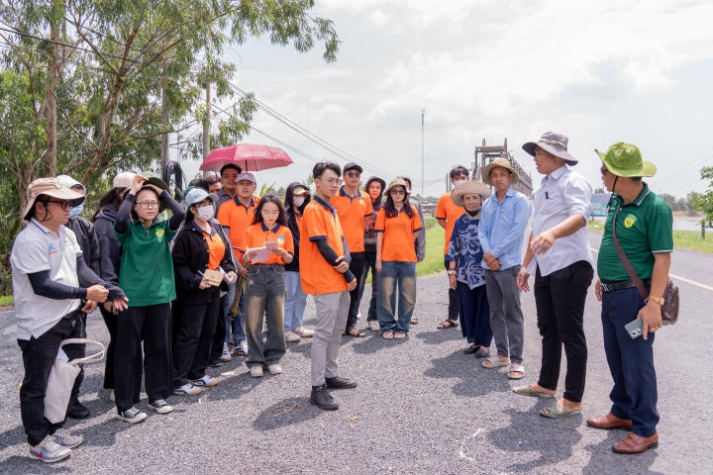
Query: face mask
column 459, row 182
column 76, row 211
column 206, row 213
column 298, row 200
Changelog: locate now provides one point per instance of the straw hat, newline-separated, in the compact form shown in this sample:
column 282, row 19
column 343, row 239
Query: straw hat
column 469, row 188
column 502, row 163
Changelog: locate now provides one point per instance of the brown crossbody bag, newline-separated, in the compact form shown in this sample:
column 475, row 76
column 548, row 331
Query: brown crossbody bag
column 669, row 309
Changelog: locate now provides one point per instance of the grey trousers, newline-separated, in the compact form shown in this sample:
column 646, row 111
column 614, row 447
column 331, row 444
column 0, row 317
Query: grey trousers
column 506, row 319
column 332, row 312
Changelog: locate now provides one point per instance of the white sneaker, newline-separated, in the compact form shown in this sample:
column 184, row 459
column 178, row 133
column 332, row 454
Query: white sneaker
column 292, row 337
column 358, row 314
column 256, row 371
column 304, row 332
column 275, row 369
column 374, row 325
column 49, row 450
column 68, row 440
column 161, row 406
column 187, row 390
column 225, row 357
column 206, row 381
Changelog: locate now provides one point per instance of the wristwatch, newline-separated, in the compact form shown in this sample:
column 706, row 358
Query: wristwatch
column 658, row 300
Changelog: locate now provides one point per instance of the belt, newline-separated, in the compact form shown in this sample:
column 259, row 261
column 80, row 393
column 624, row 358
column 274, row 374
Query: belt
column 621, row 284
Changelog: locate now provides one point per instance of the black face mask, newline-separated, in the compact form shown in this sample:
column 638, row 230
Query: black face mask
column 473, row 213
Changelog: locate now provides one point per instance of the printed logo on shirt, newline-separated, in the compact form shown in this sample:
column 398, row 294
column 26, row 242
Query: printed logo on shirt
column 629, row 221
column 52, row 250
column 361, row 201
column 160, row 233
column 281, row 240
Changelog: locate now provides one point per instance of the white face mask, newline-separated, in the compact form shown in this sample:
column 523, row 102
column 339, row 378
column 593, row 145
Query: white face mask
column 298, row 200
column 459, row 182
column 206, row 213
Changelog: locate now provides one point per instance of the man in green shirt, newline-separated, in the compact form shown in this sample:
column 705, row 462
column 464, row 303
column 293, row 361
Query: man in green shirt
column 644, row 228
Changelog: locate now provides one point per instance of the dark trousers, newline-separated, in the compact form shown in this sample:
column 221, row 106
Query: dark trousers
column 631, row 362
column 193, row 338
column 74, row 399
column 357, row 268
column 152, row 325
column 38, row 355
column 219, row 336
column 369, row 264
column 560, row 298
column 474, row 314
column 452, row 299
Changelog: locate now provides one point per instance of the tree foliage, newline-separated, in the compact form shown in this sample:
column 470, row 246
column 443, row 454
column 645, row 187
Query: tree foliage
column 89, row 88
column 704, row 202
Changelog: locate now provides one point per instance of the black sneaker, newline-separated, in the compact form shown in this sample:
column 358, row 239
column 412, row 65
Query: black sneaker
column 215, row 364
column 78, row 411
column 339, row 383
column 131, row 415
column 321, row 398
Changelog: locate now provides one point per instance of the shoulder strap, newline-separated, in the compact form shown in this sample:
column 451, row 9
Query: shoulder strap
column 625, row 260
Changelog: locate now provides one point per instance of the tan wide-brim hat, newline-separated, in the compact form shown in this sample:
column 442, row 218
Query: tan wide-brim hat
column 469, row 188
column 53, row 188
column 554, row 143
column 502, row 163
column 397, row 182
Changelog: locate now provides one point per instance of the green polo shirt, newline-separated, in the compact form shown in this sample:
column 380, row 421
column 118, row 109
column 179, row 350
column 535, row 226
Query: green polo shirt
column 146, row 273
column 644, row 228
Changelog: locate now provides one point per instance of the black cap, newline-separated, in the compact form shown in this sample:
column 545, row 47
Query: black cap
column 352, row 166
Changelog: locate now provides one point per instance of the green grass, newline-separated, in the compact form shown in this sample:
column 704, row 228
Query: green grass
column 6, row 301
column 690, row 240
column 435, row 240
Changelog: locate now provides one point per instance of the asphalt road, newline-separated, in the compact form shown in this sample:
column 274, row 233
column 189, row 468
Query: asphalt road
column 422, row 407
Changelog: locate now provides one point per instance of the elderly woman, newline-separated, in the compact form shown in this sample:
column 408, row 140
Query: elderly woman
column 465, row 272
column 199, row 247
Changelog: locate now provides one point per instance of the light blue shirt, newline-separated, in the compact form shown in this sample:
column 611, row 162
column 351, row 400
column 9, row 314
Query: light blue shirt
column 563, row 193
column 502, row 227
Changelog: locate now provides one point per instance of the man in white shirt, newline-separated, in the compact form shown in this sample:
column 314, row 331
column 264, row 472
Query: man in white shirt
column 559, row 257
column 50, row 280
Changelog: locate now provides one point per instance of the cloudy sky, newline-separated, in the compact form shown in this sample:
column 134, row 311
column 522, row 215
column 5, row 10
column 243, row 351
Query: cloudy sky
column 597, row 71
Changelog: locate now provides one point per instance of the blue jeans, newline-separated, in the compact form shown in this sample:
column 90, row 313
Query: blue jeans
column 295, row 301
column 265, row 303
column 403, row 275
column 631, row 362
column 237, row 326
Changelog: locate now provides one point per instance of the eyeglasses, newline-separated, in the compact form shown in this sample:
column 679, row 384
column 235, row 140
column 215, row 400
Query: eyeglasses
column 398, row 192
column 332, row 181
column 62, row 204
column 148, row 204
column 353, row 174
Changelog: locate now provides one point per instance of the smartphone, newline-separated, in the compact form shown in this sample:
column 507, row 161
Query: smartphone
column 635, row 328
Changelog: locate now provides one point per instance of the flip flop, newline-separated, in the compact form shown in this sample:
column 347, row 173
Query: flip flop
column 446, row 324
column 530, row 391
column 495, row 362
column 516, row 368
column 355, row 333
column 557, row 411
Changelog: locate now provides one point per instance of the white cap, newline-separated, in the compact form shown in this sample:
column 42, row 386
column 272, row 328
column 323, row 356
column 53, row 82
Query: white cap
column 124, row 180
column 68, row 182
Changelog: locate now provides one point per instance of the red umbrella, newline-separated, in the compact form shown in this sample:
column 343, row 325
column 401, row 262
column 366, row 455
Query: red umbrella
column 248, row 156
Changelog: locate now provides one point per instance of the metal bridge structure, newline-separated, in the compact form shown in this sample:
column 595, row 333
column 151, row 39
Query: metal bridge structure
column 485, row 154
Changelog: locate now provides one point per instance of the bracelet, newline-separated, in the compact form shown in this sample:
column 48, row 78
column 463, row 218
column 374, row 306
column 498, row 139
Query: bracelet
column 451, row 272
column 658, row 300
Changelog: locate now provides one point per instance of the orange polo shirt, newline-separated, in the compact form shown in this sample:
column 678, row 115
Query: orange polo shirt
column 257, row 235
column 397, row 243
column 216, row 247
column 237, row 217
column 320, row 221
column 351, row 211
column 445, row 209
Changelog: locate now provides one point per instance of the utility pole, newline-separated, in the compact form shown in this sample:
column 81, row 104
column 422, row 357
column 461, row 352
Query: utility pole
column 423, row 166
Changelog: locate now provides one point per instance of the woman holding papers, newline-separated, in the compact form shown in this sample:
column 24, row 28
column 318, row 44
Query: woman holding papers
column 270, row 247
column 202, row 265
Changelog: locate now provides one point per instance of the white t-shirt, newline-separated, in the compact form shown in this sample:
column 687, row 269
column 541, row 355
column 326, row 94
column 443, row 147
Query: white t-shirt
column 38, row 249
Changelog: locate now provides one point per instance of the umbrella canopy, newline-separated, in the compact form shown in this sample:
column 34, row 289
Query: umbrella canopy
column 249, row 157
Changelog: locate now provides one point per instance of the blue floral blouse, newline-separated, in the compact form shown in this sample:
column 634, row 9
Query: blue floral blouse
column 464, row 249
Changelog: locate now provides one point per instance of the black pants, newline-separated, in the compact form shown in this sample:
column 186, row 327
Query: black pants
column 369, row 264
column 152, row 325
column 357, row 268
column 74, row 399
column 193, row 338
column 452, row 299
column 38, row 355
column 219, row 336
column 560, row 298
